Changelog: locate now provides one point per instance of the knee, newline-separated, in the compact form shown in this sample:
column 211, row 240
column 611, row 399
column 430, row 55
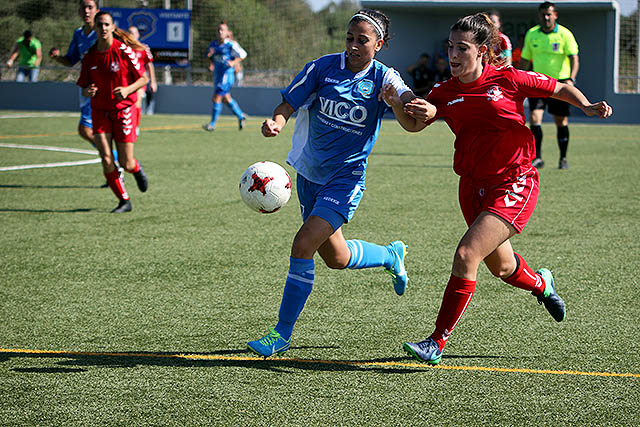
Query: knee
column 335, row 261
column 465, row 259
column 302, row 247
column 501, row 271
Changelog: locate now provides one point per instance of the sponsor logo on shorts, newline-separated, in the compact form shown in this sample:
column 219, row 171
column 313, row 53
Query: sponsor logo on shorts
column 332, row 200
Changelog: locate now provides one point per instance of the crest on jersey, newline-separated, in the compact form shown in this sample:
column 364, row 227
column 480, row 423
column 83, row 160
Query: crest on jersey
column 495, row 93
column 365, row 88
column 115, row 67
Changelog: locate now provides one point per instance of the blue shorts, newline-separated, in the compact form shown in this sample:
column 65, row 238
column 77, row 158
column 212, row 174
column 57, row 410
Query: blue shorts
column 85, row 112
column 336, row 201
column 222, row 82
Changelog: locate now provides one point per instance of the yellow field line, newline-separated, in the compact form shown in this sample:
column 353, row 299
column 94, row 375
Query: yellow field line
column 363, row 363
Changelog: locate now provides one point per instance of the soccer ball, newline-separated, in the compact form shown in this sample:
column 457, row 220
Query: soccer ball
column 265, row 187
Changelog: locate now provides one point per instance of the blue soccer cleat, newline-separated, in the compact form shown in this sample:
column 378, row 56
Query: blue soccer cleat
column 425, row 351
column 551, row 300
column 270, row 344
column 397, row 270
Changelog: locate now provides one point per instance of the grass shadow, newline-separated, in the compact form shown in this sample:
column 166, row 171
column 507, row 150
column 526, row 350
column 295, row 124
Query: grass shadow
column 230, row 358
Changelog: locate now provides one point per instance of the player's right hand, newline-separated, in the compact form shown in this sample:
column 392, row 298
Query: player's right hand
column 270, row 128
column 54, row 52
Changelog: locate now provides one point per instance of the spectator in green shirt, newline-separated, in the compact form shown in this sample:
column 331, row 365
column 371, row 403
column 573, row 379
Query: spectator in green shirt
column 553, row 51
column 28, row 50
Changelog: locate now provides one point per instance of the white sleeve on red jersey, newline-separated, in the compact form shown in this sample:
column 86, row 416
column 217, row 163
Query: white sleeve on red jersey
column 134, row 64
column 531, row 84
column 147, row 50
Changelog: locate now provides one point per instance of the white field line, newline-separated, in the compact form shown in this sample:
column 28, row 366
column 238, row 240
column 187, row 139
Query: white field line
column 32, row 115
column 49, row 148
column 49, row 165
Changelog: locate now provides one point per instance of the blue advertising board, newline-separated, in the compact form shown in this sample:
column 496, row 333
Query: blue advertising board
column 166, row 31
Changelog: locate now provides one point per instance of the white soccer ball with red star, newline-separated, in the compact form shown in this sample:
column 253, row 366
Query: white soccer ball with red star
column 265, row 187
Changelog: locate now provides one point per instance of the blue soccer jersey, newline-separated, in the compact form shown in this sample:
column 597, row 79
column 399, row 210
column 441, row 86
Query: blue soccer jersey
column 223, row 74
column 339, row 115
column 80, row 44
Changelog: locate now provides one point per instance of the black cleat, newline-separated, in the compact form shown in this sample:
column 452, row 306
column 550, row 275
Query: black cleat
column 563, row 163
column 141, row 179
column 242, row 122
column 550, row 298
column 123, row 206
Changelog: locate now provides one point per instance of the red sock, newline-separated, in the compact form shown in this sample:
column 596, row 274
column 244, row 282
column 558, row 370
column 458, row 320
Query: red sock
column 525, row 278
column 136, row 168
column 116, row 184
column 457, row 297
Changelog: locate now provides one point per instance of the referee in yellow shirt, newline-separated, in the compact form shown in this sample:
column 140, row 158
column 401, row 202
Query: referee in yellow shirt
column 553, row 51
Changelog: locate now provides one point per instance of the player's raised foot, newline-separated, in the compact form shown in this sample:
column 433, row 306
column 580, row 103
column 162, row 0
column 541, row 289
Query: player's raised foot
column 123, row 206
column 425, row 351
column 563, row 163
column 397, row 271
column 141, row 179
column 538, row 163
column 208, row 127
column 551, row 300
column 270, row 344
column 242, row 122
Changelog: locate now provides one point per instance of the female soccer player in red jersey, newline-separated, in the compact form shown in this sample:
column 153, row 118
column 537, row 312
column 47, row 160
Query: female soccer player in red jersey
column 111, row 74
column 498, row 187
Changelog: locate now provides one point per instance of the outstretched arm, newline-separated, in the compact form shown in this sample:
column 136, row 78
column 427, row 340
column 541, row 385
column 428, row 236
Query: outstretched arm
column 281, row 114
column 405, row 117
column 572, row 95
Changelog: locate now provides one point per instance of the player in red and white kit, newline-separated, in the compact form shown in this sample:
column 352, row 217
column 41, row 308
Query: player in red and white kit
column 498, row 187
column 111, row 74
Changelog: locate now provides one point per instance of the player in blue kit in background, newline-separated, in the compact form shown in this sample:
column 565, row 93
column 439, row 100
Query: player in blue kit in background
column 339, row 99
column 83, row 38
column 225, row 54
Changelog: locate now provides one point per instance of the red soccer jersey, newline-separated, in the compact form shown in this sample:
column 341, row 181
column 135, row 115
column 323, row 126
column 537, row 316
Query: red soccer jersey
column 116, row 66
column 487, row 117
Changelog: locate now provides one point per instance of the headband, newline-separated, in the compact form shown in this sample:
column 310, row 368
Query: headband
column 370, row 20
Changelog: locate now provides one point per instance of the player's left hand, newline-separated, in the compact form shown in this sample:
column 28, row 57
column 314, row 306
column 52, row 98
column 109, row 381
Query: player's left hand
column 390, row 96
column 420, row 109
column 601, row 109
column 121, row 93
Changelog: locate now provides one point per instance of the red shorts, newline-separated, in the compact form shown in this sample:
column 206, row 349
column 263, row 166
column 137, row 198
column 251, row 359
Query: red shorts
column 513, row 200
column 121, row 124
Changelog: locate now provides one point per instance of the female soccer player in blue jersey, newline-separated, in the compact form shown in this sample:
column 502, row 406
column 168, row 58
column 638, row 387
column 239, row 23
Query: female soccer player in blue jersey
column 339, row 99
column 225, row 54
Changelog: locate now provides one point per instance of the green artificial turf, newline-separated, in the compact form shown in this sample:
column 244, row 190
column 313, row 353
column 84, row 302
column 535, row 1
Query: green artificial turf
column 97, row 310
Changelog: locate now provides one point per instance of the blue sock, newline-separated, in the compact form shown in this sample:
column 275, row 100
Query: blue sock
column 115, row 155
column 296, row 291
column 215, row 112
column 367, row 255
column 235, row 107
